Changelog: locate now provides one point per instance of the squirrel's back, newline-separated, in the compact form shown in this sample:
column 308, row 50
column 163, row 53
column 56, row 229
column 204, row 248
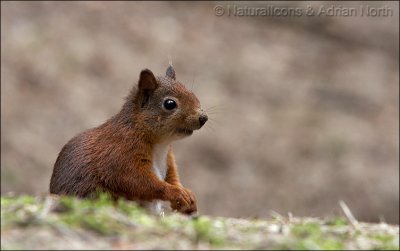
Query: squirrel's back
column 72, row 173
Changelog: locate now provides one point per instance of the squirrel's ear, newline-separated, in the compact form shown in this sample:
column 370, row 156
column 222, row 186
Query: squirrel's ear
column 171, row 72
column 147, row 81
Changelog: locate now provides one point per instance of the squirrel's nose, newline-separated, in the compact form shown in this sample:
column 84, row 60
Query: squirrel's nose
column 203, row 119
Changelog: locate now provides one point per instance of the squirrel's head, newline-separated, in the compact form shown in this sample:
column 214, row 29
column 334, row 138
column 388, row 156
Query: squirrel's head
column 166, row 107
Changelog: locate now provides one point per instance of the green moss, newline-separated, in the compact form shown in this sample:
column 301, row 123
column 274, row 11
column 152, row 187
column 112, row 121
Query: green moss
column 306, row 229
column 100, row 224
column 105, row 218
column 310, row 236
column 20, row 210
column 102, row 215
column 384, row 238
column 207, row 230
column 385, row 242
column 337, row 221
column 99, row 215
column 17, row 200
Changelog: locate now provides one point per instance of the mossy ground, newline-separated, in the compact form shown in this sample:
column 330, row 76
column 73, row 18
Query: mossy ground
column 68, row 223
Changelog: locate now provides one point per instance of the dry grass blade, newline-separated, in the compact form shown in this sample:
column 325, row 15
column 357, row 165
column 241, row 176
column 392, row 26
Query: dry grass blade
column 349, row 215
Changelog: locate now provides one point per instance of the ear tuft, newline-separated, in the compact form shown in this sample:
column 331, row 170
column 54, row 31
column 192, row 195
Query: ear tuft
column 147, row 81
column 171, row 72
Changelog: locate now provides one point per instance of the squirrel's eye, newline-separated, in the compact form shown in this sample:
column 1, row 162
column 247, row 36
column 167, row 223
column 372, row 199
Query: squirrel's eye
column 169, row 104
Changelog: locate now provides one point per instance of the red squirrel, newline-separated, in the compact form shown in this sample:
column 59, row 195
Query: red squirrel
column 130, row 155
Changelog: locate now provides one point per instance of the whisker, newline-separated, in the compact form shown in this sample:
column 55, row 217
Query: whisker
column 169, row 60
column 211, row 130
column 214, row 108
column 194, row 78
column 211, row 107
column 213, row 122
column 213, row 112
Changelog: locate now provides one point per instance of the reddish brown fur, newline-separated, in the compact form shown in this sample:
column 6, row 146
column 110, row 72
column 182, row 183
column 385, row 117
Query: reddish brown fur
column 116, row 156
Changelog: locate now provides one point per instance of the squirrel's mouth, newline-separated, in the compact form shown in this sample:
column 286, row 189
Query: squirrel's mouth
column 184, row 131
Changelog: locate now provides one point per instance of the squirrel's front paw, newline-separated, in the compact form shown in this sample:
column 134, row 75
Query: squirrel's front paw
column 182, row 200
column 193, row 202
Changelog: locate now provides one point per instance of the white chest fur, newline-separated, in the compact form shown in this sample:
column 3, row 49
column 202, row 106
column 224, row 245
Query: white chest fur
column 159, row 160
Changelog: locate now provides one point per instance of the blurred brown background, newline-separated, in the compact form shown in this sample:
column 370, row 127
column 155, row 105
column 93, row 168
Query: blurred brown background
column 304, row 109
